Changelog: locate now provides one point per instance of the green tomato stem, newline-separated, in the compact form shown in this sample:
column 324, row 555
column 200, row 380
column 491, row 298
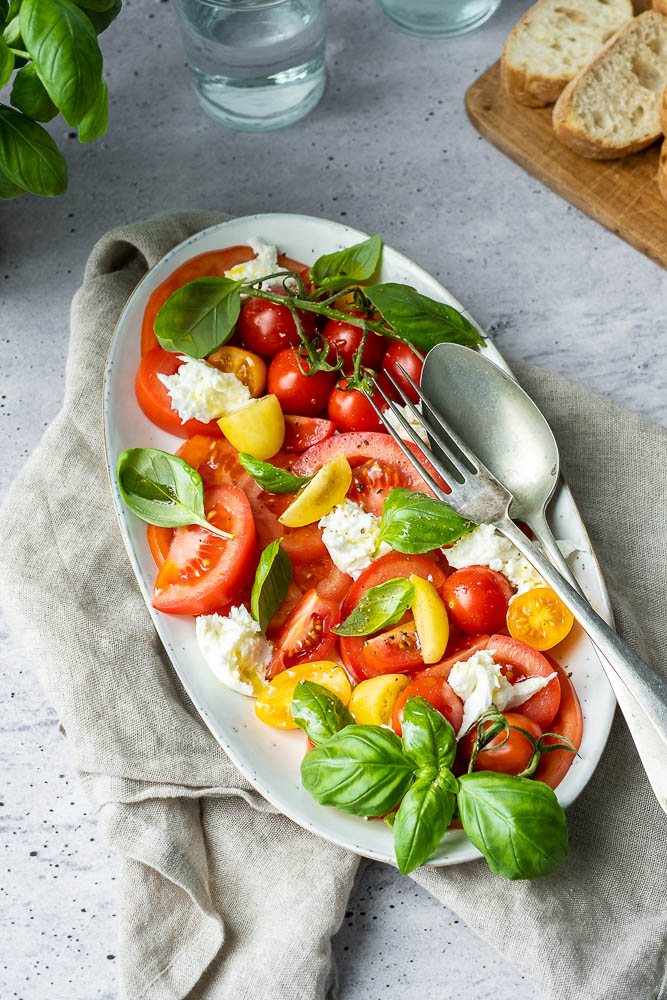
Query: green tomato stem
column 21, row 53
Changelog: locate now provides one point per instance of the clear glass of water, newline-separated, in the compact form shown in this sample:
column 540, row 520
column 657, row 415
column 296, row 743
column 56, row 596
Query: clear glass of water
column 438, row 18
column 256, row 64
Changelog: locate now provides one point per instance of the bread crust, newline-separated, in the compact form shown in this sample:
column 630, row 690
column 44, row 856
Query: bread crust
column 662, row 170
column 529, row 89
column 660, row 6
column 663, row 111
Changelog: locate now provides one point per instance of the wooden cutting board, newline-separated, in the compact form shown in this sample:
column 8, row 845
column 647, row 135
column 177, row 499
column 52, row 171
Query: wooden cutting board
column 620, row 194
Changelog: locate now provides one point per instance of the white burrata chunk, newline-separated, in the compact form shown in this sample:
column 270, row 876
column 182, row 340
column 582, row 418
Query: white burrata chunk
column 235, row 649
column 352, row 537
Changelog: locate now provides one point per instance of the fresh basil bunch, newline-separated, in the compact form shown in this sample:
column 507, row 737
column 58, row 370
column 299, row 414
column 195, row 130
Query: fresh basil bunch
column 52, row 47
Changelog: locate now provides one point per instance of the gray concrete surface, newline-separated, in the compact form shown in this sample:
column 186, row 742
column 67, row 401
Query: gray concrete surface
column 388, row 149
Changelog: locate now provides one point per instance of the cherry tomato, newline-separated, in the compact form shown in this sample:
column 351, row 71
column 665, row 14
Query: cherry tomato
column 539, row 618
column 567, row 722
column 296, row 392
column 437, row 691
column 159, row 540
column 304, row 432
column 248, row 368
column 477, row 598
column 155, row 401
column 306, row 634
column 345, row 339
column 324, row 576
column 510, row 758
column 203, row 571
column 402, row 354
column 393, row 652
column 266, row 327
column 522, row 661
column 350, row 410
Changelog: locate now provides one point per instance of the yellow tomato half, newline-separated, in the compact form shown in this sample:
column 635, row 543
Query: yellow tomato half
column 326, row 489
column 249, row 368
column 258, row 428
column 431, row 620
column 539, row 618
column 274, row 702
column 373, row 700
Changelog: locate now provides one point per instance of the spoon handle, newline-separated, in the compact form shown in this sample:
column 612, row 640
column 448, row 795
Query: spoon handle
column 648, row 689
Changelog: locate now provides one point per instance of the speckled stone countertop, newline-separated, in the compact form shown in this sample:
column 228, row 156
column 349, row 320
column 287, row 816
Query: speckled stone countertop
column 389, row 149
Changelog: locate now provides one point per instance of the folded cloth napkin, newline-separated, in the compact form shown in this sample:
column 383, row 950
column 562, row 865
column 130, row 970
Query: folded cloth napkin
column 221, row 895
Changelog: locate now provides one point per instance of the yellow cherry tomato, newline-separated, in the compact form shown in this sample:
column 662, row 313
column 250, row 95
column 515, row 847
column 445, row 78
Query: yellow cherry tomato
column 431, row 620
column 372, row 701
column 326, row 489
column 258, row 427
column 249, row 368
column 274, row 702
column 539, row 618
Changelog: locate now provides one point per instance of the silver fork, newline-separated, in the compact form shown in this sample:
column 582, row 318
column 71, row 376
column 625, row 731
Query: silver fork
column 476, row 494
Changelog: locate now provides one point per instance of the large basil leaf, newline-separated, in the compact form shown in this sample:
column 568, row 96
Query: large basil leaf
column 162, row 489
column 354, row 264
column 101, row 20
column 272, row 578
column 319, row 712
column 421, row 821
column 378, row 608
column 270, row 477
column 62, row 42
column 517, row 823
column 29, row 96
column 29, row 158
column 11, row 33
column 6, row 63
column 415, row 522
column 429, row 740
column 96, row 5
column 420, row 320
column 361, row 770
column 9, row 190
column 199, row 317
column 94, row 122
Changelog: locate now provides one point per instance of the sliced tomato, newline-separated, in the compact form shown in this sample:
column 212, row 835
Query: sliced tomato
column 437, row 691
column 509, row 756
column 456, row 652
column 568, row 722
column 304, row 545
column 395, row 651
column 304, row 432
column 306, row 634
column 324, row 576
column 203, row 571
column 214, row 458
column 159, row 540
column 155, row 401
column 523, row 661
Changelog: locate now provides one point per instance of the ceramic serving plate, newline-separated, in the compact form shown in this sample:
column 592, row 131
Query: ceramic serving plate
column 268, row 757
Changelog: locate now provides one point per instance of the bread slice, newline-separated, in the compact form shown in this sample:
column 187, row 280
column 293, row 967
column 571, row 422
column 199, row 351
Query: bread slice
column 662, row 170
column 662, row 111
column 612, row 106
column 551, row 43
column 660, row 6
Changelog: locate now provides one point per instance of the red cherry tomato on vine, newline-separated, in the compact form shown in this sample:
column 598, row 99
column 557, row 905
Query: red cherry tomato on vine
column 266, row 328
column 477, row 598
column 437, row 691
column 350, row 410
column 513, row 756
column 345, row 339
column 297, row 393
column 402, row 354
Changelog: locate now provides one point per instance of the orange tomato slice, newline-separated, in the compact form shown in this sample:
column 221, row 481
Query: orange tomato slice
column 539, row 618
column 274, row 702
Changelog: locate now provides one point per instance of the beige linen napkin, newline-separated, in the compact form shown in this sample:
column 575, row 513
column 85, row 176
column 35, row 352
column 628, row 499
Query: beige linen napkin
column 222, row 896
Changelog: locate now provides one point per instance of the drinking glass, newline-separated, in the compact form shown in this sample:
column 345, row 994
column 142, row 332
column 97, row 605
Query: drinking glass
column 438, row 18
column 256, row 64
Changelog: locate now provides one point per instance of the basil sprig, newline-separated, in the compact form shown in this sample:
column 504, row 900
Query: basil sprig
column 428, row 738
column 422, row 820
column 378, row 608
column 415, row 522
column 272, row 578
column 420, row 320
column 319, row 712
column 199, row 317
column 335, row 271
column 270, row 477
column 162, row 489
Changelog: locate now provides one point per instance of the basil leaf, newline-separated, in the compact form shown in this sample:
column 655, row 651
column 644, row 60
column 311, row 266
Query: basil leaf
column 358, row 263
column 94, row 122
column 272, row 578
column 9, row 190
column 419, row 320
column 4, row 10
column 12, row 30
column 429, row 740
column 270, row 477
column 378, row 608
column 360, row 770
column 97, row 5
column 63, row 44
column 517, row 823
column 29, row 158
column 319, row 712
column 101, row 20
column 199, row 317
column 421, row 821
column 161, row 488
column 30, row 97
column 416, row 522
column 6, row 63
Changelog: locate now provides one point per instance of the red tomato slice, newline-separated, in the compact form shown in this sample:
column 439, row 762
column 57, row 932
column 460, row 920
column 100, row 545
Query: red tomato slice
column 524, row 661
column 304, row 432
column 307, row 633
column 437, row 691
column 393, row 652
column 304, row 545
column 203, row 571
column 459, row 654
column 214, row 458
column 568, row 722
column 159, row 540
column 372, row 446
column 155, row 401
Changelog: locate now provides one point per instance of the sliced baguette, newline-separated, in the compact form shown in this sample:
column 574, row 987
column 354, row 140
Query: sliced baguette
column 660, row 6
column 551, row 43
column 662, row 112
column 612, row 106
column 662, row 170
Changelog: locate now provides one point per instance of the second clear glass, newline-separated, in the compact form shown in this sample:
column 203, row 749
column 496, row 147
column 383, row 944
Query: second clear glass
column 438, row 18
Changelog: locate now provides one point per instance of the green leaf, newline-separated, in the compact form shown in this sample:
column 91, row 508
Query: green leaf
column 199, row 317
column 97, row 5
column 6, row 63
column 361, row 770
column 4, row 10
column 94, row 122
column 162, row 489
column 421, row 822
column 415, row 522
column 9, row 190
column 319, row 712
column 378, row 608
column 517, row 823
column 62, row 42
column 419, row 320
column 29, row 158
column 101, row 20
column 354, row 264
column 429, row 740
column 270, row 477
column 272, row 578
column 12, row 30
column 30, row 97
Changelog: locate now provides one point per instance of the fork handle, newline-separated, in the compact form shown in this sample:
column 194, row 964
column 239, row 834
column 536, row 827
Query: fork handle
column 648, row 689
